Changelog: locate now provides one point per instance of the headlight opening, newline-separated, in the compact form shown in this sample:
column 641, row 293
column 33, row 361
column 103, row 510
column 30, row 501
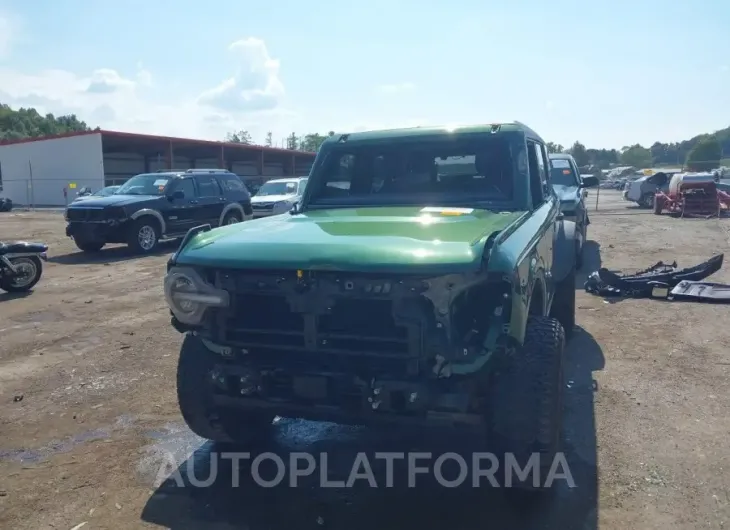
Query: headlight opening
column 189, row 296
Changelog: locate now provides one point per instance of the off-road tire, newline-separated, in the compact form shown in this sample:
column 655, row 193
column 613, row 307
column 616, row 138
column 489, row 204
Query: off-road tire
column 133, row 234
column 563, row 306
column 6, row 283
column 231, row 218
column 527, row 405
column 195, row 399
column 88, row 245
column 658, row 205
column 579, row 253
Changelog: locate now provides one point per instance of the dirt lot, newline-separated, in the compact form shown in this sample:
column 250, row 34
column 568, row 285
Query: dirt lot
column 93, row 357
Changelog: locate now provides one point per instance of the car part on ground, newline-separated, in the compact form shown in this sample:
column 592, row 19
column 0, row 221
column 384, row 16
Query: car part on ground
column 651, row 282
column 418, row 296
column 692, row 195
column 6, row 205
column 153, row 206
column 701, row 292
column 21, row 265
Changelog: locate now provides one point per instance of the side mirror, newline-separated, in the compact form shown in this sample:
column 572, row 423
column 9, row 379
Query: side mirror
column 590, row 181
column 178, row 194
column 295, row 208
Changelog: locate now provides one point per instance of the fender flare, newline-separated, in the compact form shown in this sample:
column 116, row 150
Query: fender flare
column 228, row 208
column 154, row 213
column 564, row 249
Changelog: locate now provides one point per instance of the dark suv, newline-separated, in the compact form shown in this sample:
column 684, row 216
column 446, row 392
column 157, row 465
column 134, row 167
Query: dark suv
column 152, row 206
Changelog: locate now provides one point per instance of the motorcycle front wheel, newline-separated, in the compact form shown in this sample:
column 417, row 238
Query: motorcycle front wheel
column 29, row 271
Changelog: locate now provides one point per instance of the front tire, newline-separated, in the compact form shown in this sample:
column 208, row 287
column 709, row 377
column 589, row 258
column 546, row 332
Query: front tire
column 30, row 269
column 143, row 235
column 563, row 306
column 231, row 218
column 527, row 405
column 195, row 399
column 88, row 245
column 647, row 200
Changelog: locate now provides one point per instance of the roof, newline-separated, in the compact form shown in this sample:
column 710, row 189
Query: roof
column 415, row 132
column 561, row 156
column 286, row 179
column 152, row 137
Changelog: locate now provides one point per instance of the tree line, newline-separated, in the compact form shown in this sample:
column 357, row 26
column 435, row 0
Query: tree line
column 28, row 123
column 705, row 151
column 701, row 153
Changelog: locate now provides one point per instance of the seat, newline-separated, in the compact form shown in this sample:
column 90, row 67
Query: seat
column 22, row 247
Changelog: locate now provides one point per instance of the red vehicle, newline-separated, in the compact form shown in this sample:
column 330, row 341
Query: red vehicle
column 692, row 195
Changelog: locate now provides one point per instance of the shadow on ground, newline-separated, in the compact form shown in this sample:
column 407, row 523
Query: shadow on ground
column 111, row 254
column 12, row 296
column 591, row 262
column 178, row 504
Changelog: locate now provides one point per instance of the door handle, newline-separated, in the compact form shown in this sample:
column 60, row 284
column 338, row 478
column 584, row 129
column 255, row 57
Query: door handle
column 221, row 199
column 193, row 201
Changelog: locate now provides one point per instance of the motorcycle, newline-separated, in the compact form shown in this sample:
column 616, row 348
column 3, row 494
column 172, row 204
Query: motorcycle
column 21, row 265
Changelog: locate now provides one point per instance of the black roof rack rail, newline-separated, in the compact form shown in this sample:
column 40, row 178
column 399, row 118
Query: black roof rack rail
column 212, row 170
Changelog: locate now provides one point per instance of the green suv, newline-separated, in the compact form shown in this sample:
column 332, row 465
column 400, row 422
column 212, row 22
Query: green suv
column 426, row 276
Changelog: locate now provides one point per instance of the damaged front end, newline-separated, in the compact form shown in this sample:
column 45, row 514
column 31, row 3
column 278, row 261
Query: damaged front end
column 344, row 347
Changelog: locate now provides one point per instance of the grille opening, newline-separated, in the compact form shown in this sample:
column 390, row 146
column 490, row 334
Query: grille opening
column 266, row 313
column 364, row 318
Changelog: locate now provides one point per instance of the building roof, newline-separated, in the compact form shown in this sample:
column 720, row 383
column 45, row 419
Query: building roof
column 156, row 138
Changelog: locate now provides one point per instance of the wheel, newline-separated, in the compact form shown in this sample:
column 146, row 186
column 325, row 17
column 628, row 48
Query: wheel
column 578, row 254
column 525, row 420
column 195, row 399
column 88, row 245
column 658, row 205
column 647, row 200
column 563, row 306
column 231, row 218
column 143, row 235
column 29, row 269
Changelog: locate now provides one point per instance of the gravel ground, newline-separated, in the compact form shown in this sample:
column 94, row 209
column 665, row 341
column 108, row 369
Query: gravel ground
column 89, row 417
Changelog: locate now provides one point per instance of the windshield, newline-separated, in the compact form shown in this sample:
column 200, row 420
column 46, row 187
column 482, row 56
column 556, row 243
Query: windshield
column 449, row 171
column 146, row 184
column 561, row 173
column 105, row 192
column 288, row 187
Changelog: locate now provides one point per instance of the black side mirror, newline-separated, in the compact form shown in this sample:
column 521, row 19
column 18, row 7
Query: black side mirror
column 590, row 181
column 178, row 194
column 295, row 208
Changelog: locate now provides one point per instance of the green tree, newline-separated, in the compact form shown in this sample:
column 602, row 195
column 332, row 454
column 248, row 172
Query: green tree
column 239, row 137
column 311, row 142
column 578, row 151
column 292, row 141
column 705, row 155
column 269, row 141
column 554, row 148
column 637, row 156
column 28, row 123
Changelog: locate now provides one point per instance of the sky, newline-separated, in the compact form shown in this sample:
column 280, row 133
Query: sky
column 606, row 73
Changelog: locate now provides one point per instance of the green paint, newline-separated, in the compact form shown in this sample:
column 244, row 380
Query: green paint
column 392, row 239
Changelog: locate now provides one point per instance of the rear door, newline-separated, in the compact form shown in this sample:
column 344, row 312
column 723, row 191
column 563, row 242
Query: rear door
column 236, row 191
column 211, row 200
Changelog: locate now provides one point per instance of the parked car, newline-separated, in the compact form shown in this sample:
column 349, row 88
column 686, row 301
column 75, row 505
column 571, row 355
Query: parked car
column 437, row 286
column 152, row 206
column 277, row 196
column 103, row 192
column 642, row 189
column 570, row 187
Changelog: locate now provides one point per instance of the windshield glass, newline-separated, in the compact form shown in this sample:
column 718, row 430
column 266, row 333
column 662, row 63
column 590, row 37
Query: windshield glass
column 450, row 171
column 278, row 188
column 561, row 173
column 105, row 192
column 146, row 184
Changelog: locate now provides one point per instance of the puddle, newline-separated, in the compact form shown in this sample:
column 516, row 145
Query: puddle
column 33, row 456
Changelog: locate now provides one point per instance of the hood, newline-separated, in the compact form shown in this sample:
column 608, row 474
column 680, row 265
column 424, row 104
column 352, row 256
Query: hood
column 567, row 193
column 113, row 200
column 271, row 198
column 393, row 239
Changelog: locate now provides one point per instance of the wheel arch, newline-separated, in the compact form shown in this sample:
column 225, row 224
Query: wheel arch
column 147, row 212
column 228, row 209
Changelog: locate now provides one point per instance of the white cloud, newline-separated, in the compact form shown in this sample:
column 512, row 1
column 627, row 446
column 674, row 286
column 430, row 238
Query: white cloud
column 112, row 100
column 255, row 85
column 395, row 88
